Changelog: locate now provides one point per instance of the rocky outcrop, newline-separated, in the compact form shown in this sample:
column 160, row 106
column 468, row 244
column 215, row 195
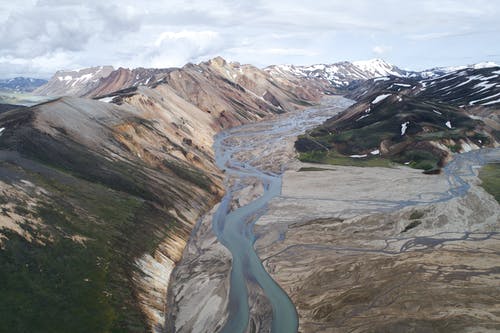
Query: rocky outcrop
column 125, row 78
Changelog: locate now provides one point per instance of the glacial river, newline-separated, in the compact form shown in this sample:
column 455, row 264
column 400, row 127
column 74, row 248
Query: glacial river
column 242, row 153
column 238, row 152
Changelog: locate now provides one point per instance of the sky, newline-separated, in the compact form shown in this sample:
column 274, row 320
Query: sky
column 39, row 37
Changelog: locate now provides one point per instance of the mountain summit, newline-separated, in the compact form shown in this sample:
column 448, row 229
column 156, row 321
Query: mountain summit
column 341, row 74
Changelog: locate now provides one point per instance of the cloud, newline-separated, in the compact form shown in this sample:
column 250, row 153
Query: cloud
column 38, row 36
column 176, row 48
column 381, row 49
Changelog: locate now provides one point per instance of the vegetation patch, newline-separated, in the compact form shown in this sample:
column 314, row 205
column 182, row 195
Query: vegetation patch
column 334, row 158
column 490, row 179
column 412, row 225
column 416, row 215
column 313, row 169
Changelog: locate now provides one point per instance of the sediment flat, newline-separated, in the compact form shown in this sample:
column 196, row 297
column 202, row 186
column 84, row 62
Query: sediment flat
column 383, row 250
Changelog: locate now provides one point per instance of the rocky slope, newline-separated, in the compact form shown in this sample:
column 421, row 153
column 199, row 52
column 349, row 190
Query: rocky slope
column 99, row 196
column 416, row 122
column 124, row 78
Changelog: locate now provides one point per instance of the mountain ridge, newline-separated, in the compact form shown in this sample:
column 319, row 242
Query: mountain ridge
column 21, row 84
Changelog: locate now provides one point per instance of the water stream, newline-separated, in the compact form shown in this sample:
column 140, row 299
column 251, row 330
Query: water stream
column 238, row 152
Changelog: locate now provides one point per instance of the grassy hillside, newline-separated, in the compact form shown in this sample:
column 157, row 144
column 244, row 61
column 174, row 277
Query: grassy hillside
column 490, row 178
column 394, row 123
column 83, row 219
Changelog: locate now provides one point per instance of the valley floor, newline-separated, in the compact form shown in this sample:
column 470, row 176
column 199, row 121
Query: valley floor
column 357, row 250
column 384, row 250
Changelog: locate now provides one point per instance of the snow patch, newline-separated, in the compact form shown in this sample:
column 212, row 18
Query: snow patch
column 492, row 102
column 483, row 99
column 362, row 117
column 65, row 78
column 358, row 156
column 484, row 86
column 402, row 85
column 488, row 64
column 383, row 78
column 376, row 67
column 448, row 124
column 437, row 112
column 380, row 98
column 404, row 126
column 106, row 99
column 375, row 152
column 1, row 130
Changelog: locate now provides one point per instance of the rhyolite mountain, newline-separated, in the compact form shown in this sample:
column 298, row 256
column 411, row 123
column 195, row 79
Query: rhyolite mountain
column 99, row 81
column 99, row 196
column 412, row 121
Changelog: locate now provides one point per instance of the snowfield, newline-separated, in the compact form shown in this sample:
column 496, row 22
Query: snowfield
column 380, row 98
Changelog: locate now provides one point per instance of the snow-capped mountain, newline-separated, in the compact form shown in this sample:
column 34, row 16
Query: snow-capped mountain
column 340, row 74
column 74, row 82
column 439, row 71
column 21, row 84
column 102, row 80
column 464, row 86
column 477, row 85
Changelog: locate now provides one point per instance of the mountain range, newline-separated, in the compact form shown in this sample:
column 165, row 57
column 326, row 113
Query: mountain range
column 20, row 84
column 102, row 184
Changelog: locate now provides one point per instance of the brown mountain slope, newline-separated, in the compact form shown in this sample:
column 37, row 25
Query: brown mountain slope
column 98, row 199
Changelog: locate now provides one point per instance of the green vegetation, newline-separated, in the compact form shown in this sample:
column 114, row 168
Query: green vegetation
column 365, row 127
column 413, row 224
column 332, row 157
column 313, row 169
column 190, row 174
column 70, row 286
column 419, row 159
column 490, row 178
column 416, row 215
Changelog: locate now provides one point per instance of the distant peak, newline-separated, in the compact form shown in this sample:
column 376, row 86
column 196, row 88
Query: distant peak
column 219, row 61
column 375, row 61
column 486, row 64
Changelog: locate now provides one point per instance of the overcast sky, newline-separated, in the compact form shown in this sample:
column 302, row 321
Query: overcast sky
column 38, row 37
